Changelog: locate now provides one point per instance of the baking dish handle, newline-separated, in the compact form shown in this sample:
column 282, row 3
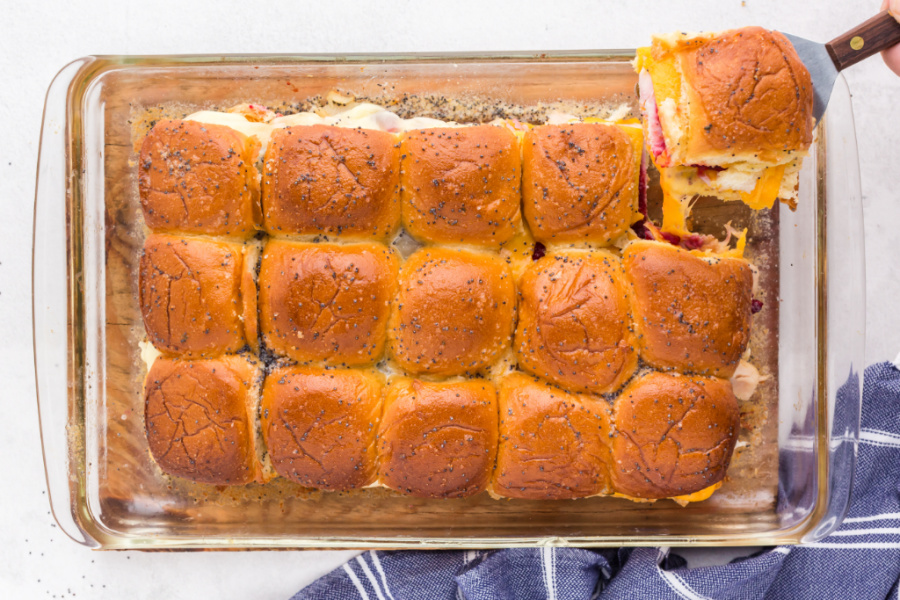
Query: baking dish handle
column 56, row 368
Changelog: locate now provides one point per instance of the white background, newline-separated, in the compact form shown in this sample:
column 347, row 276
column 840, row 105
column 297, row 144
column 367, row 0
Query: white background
column 38, row 38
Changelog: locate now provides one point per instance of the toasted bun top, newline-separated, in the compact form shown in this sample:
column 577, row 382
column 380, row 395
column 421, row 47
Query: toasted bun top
column 580, row 181
column 199, row 178
column 198, row 422
column 191, row 295
column 674, row 435
column 553, row 445
column 748, row 97
column 438, row 440
column 320, row 426
column 461, row 184
column 326, row 302
column 454, row 313
column 691, row 313
column 333, row 180
column 575, row 322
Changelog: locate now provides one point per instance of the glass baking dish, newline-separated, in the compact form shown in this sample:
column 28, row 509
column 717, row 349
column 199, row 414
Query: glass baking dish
column 790, row 481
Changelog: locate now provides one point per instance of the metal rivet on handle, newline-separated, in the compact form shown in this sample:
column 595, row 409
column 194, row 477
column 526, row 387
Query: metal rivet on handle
column 857, row 43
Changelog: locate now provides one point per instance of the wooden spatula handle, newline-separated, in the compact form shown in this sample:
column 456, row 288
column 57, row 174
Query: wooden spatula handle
column 878, row 33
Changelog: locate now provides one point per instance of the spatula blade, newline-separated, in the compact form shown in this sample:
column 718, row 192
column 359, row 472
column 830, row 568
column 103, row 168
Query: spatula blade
column 821, row 68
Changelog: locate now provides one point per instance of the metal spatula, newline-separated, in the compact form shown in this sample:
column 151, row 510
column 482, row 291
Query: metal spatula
column 824, row 61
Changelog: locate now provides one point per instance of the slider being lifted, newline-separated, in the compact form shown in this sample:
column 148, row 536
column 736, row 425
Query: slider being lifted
column 728, row 115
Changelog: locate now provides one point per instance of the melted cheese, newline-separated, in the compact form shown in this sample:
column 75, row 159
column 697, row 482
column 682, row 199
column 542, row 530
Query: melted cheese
column 766, row 190
column 149, row 353
column 738, row 250
column 699, row 496
column 676, row 210
column 663, row 72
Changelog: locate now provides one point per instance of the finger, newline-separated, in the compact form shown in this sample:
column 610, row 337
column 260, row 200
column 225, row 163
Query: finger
column 892, row 58
column 892, row 55
column 893, row 6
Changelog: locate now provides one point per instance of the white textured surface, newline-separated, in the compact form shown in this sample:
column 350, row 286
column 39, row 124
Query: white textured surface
column 38, row 38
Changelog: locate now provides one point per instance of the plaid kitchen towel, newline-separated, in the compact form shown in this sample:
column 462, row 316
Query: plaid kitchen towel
column 860, row 560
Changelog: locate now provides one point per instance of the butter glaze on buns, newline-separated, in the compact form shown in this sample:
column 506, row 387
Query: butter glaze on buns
column 438, row 440
column 574, row 324
column 199, row 178
column 454, row 314
column 199, row 416
column 320, row 426
column 674, row 436
column 691, row 313
column 580, row 181
column 332, row 180
column 553, row 445
column 197, row 298
column 461, row 184
column 326, row 302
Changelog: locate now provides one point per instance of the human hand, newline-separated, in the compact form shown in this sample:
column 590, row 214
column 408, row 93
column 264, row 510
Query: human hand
column 892, row 55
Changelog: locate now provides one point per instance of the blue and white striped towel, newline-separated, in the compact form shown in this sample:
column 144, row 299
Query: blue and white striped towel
column 860, row 560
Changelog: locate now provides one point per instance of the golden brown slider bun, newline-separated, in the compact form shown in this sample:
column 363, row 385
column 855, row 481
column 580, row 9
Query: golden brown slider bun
column 199, row 178
column 575, row 322
column 320, row 426
column 461, row 184
column 326, row 302
column 579, row 182
column 737, row 96
column 454, row 313
column 553, row 445
column 197, row 296
column 200, row 418
column 333, row 180
column 438, row 440
column 674, row 435
column 691, row 313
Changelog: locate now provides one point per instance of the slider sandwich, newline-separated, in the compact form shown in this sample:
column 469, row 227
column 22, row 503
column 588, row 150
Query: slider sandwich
column 438, row 440
column 728, row 115
column 580, row 181
column 574, row 326
column 324, row 179
column 200, row 417
column 461, row 184
column 674, row 436
column 554, row 445
column 319, row 426
column 326, row 303
column 692, row 313
column 198, row 295
column 454, row 314
column 199, row 178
